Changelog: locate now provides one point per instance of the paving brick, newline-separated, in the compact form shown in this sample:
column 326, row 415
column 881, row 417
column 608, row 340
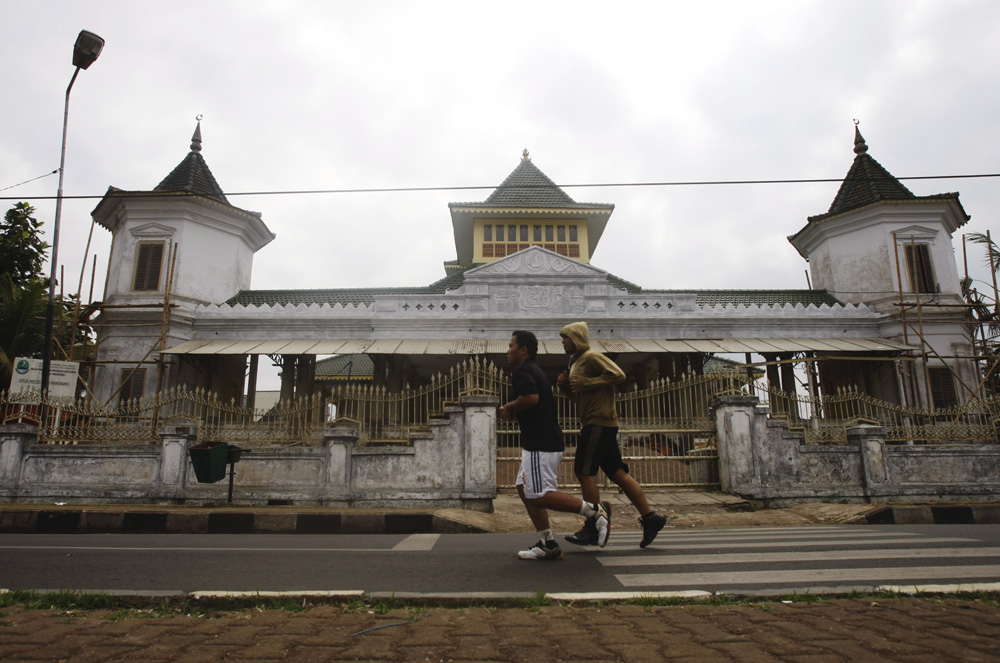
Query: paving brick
column 887, row 631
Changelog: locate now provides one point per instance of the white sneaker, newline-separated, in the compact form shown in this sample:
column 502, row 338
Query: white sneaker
column 540, row 551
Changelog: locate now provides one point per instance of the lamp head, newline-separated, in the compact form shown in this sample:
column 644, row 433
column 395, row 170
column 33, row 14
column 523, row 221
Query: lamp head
column 86, row 49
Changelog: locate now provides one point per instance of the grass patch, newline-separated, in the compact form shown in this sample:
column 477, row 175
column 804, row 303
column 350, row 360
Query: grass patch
column 537, row 600
column 64, row 599
column 118, row 608
column 213, row 604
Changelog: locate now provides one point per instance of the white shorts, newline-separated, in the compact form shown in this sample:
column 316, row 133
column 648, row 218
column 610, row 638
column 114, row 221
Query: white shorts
column 539, row 473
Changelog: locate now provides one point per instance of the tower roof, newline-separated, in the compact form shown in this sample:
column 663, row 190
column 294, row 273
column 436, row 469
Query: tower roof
column 192, row 175
column 528, row 186
column 526, row 193
column 867, row 182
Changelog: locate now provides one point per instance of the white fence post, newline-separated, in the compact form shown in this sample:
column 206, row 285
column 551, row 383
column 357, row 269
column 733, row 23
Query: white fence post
column 13, row 439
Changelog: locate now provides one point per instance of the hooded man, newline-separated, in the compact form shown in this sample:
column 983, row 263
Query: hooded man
column 590, row 382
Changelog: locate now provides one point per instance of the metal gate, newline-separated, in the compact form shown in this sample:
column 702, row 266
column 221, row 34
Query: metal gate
column 666, row 434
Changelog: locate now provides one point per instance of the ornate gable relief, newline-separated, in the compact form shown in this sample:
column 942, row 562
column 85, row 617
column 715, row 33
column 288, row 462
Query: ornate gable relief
column 149, row 231
column 535, row 282
column 534, row 262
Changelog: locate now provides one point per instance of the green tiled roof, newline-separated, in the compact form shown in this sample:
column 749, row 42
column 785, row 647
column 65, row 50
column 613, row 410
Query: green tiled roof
column 867, row 182
column 192, row 175
column 763, row 297
column 345, row 296
column 712, row 298
column 345, row 367
column 704, row 298
column 527, row 186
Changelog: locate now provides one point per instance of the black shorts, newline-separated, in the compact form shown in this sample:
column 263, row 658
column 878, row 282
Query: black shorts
column 597, row 447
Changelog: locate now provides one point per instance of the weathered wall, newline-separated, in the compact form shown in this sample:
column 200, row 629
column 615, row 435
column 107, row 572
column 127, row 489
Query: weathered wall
column 451, row 466
column 761, row 459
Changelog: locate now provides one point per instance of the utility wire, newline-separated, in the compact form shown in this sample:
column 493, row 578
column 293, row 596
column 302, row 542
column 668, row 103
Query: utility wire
column 31, row 180
column 299, row 192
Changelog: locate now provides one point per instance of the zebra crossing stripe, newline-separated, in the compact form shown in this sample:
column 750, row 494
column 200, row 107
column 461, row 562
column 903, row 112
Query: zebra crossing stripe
column 803, row 556
column 418, row 542
column 833, row 540
column 809, row 576
column 772, row 534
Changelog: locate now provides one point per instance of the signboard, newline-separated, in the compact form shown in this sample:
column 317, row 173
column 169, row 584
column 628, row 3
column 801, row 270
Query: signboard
column 27, row 376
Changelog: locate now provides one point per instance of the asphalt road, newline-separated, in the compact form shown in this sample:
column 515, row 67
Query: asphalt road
column 742, row 561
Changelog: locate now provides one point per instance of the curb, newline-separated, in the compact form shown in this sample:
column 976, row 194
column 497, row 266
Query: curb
column 513, row 598
column 85, row 521
column 948, row 514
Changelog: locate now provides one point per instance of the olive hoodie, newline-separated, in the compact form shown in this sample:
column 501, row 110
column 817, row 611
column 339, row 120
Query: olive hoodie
column 596, row 376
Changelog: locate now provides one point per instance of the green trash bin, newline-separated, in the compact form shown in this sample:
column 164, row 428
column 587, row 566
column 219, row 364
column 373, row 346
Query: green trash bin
column 209, row 460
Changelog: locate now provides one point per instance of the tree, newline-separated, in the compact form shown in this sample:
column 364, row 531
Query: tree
column 992, row 258
column 22, row 250
column 985, row 311
column 22, row 322
column 24, row 299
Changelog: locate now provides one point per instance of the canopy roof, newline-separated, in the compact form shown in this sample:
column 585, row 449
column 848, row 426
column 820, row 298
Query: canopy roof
column 483, row 346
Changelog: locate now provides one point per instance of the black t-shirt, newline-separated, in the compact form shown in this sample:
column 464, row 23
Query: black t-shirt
column 540, row 429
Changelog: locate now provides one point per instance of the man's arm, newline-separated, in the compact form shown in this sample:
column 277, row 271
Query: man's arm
column 562, row 382
column 510, row 410
column 599, row 371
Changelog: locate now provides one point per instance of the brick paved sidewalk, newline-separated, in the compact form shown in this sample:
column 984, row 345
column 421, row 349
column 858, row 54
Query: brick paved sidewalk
column 907, row 630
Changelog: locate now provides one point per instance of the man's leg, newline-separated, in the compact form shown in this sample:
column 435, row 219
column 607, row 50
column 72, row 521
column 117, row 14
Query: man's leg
column 538, row 477
column 558, row 501
column 585, row 466
column 597, row 513
column 588, row 486
column 537, row 513
column 633, row 491
column 651, row 521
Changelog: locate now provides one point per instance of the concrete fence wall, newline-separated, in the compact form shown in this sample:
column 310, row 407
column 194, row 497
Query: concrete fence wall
column 452, row 465
column 761, row 459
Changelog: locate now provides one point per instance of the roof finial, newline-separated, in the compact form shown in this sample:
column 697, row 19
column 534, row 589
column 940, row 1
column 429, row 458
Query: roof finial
column 860, row 146
column 196, row 138
column 525, row 156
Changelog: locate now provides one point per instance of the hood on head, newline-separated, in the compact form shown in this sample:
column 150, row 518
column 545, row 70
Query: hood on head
column 579, row 334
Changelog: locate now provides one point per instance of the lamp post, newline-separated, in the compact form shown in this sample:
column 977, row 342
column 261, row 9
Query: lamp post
column 87, row 48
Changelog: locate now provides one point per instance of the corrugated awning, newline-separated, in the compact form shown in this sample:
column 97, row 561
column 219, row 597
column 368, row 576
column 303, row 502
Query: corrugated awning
column 548, row 346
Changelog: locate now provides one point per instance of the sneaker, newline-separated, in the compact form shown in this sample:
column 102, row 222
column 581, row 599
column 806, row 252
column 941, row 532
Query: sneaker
column 651, row 526
column 603, row 522
column 586, row 535
column 541, row 551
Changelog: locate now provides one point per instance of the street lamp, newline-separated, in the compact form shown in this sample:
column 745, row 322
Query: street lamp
column 87, row 48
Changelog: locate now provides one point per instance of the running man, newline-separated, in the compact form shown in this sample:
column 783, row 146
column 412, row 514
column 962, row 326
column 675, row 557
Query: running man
column 541, row 451
column 590, row 382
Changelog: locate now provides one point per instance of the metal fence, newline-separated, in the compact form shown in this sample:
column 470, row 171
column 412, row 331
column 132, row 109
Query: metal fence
column 383, row 417
column 137, row 422
column 666, row 433
column 825, row 420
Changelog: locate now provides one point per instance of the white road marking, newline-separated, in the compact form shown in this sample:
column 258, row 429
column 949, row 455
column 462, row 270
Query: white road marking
column 803, row 556
column 72, row 548
column 773, row 533
column 810, row 576
column 834, row 541
column 418, row 542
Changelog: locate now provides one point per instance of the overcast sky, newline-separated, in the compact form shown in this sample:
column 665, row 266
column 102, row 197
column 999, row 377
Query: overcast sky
column 325, row 95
